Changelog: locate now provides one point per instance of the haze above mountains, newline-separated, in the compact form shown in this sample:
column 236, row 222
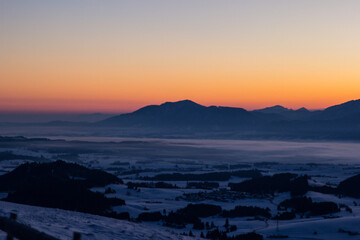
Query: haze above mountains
column 188, row 119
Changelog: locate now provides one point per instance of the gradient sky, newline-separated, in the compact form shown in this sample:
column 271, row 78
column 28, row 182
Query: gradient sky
column 116, row 56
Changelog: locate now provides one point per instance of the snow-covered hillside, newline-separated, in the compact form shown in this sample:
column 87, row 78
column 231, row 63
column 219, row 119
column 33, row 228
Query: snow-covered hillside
column 156, row 175
column 62, row 224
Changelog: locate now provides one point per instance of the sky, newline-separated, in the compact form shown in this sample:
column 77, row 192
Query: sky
column 116, row 56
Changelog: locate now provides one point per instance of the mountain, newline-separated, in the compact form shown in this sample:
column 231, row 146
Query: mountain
column 187, row 113
column 189, row 119
column 286, row 113
column 62, row 223
column 273, row 109
column 181, row 114
column 345, row 110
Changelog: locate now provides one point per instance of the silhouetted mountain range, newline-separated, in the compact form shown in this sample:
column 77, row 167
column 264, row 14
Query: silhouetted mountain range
column 187, row 119
column 182, row 113
column 299, row 114
column 336, row 122
column 274, row 109
column 189, row 113
column 349, row 110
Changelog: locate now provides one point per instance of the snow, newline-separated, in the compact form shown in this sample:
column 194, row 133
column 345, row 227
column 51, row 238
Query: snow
column 195, row 156
column 61, row 224
column 325, row 228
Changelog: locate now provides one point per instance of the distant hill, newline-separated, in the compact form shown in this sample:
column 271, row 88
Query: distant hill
column 182, row 113
column 190, row 114
column 60, row 185
column 274, row 109
column 299, row 114
column 347, row 110
column 188, row 118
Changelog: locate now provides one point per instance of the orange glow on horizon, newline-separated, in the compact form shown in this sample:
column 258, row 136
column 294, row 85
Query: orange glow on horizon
column 61, row 57
column 93, row 88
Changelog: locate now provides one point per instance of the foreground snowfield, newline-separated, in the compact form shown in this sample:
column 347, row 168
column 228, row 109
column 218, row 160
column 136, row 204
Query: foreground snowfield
column 316, row 229
column 326, row 163
column 62, row 224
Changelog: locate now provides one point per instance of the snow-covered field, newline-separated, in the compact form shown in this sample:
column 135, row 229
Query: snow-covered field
column 61, row 224
column 327, row 163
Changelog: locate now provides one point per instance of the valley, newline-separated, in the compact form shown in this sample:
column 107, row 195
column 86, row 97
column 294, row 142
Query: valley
column 162, row 178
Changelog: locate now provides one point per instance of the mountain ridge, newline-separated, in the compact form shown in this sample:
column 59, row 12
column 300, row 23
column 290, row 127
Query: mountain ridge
column 188, row 118
column 187, row 112
column 181, row 113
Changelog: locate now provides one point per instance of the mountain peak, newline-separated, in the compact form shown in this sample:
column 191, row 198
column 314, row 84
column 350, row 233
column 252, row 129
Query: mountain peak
column 279, row 107
column 302, row 110
column 274, row 109
column 349, row 104
column 183, row 113
column 186, row 116
column 184, row 103
column 343, row 110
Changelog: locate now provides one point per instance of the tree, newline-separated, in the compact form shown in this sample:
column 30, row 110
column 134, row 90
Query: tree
column 207, row 225
column 227, row 223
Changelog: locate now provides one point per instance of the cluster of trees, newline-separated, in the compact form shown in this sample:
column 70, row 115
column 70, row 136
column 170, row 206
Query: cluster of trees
column 109, row 190
column 9, row 155
column 306, row 205
column 202, row 185
column 58, row 171
column 150, row 217
column 119, row 163
column 350, row 187
column 246, row 211
column 283, row 182
column 193, row 185
column 221, row 235
column 296, row 185
column 66, row 196
column 212, row 176
column 192, row 213
column 239, row 165
column 285, row 216
column 136, row 185
column 60, row 185
column 231, row 166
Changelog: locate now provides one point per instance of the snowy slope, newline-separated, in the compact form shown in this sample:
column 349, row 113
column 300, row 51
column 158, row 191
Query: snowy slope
column 316, row 229
column 62, row 224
